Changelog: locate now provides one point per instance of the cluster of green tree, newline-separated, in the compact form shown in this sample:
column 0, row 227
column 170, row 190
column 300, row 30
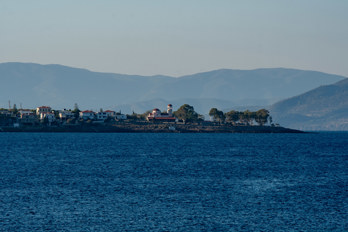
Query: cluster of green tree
column 13, row 110
column 187, row 113
column 247, row 117
column 138, row 117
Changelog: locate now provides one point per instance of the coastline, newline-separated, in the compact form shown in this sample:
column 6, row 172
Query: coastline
column 151, row 128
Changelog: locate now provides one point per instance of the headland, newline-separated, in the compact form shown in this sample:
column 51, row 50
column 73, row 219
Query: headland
column 152, row 128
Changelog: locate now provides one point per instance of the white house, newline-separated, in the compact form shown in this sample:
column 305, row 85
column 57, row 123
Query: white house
column 87, row 114
column 102, row 116
column 65, row 114
column 43, row 110
column 27, row 117
column 25, row 112
column 120, row 116
column 110, row 113
column 49, row 116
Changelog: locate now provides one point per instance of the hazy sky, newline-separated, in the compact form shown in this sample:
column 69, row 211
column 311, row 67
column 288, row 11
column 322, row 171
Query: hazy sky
column 176, row 37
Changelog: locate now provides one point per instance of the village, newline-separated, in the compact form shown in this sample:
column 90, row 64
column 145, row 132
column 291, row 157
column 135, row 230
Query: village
column 45, row 115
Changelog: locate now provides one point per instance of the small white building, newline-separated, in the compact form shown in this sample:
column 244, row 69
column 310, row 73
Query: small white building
column 120, row 116
column 28, row 117
column 49, row 116
column 25, row 112
column 65, row 114
column 110, row 113
column 102, row 116
column 87, row 114
column 43, row 110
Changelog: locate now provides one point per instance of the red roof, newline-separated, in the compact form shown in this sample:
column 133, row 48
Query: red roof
column 109, row 111
column 44, row 107
column 87, row 111
column 155, row 109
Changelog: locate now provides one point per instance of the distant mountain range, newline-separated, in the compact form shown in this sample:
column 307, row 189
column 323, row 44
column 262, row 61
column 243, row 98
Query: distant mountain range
column 61, row 86
column 32, row 85
column 324, row 108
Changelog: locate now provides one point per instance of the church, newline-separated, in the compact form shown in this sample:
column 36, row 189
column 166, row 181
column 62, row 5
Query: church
column 158, row 116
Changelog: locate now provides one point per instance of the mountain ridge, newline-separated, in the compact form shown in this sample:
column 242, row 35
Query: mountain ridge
column 61, row 86
column 323, row 108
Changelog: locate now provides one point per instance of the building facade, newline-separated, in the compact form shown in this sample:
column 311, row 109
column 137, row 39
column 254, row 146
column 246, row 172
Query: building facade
column 87, row 114
column 157, row 115
column 43, row 110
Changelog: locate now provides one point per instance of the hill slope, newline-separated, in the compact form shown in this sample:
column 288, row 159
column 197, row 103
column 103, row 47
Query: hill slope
column 324, row 108
column 60, row 87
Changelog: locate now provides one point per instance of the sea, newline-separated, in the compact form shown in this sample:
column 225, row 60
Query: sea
column 173, row 182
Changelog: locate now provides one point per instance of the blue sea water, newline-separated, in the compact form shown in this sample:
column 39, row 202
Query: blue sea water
column 173, row 182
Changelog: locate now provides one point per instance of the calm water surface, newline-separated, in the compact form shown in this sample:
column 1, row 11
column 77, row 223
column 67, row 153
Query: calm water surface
column 173, row 182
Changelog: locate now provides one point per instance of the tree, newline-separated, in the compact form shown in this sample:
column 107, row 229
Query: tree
column 76, row 107
column 232, row 116
column 14, row 109
column 132, row 116
column 261, row 116
column 76, row 111
column 217, row 115
column 247, row 117
column 213, row 112
column 200, row 117
column 186, row 113
column 137, row 117
column 144, row 115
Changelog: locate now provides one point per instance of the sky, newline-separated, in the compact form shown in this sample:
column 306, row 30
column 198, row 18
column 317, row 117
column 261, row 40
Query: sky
column 149, row 37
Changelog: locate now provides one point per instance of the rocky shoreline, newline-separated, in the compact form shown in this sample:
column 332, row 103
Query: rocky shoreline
column 151, row 128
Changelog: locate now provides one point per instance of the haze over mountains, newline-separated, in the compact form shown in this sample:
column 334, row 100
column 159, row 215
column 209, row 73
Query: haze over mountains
column 60, row 87
column 324, row 108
